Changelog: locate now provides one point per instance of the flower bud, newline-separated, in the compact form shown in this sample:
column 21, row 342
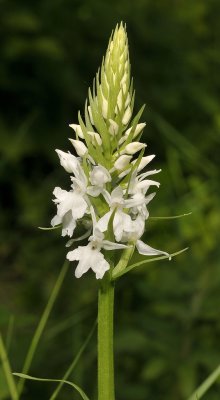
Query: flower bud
column 133, row 147
column 80, row 147
column 122, row 162
column 95, row 138
column 77, row 129
column 68, row 161
column 113, row 129
column 127, row 116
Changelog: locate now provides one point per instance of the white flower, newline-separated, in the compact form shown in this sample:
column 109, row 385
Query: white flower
column 70, row 207
column 135, row 230
column 137, row 190
column 122, row 221
column 98, row 177
column 90, row 256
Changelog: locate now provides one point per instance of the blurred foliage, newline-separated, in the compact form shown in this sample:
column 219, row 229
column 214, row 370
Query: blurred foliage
column 167, row 315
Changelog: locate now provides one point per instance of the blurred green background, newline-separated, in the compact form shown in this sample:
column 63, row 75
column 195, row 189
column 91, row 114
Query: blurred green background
column 168, row 313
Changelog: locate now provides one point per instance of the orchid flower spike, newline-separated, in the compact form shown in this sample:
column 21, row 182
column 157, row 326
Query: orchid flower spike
column 109, row 192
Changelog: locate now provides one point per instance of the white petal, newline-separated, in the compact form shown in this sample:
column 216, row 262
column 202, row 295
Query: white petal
column 60, row 194
column 78, row 206
column 148, row 173
column 56, row 220
column 144, row 161
column 146, row 250
column 94, row 191
column 80, row 254
column 69, row 224
column 88, row 258
column 99, row 265
column 117, row 195
column 121, row 223
column 103, row 221
column 144, row 185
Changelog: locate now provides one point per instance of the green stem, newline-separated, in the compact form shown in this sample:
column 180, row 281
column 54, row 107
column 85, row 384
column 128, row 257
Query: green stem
column 106, row 390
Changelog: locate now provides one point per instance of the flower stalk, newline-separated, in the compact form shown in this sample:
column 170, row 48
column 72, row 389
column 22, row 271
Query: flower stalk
column 106, row 387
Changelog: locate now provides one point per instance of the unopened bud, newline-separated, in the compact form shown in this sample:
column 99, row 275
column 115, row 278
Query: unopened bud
column 68, row 161
column 80, row 147
column 133, row 147
column 122, row 162
column 77, row 129
column 95, row 138
column 127, row 116
column 113, row 129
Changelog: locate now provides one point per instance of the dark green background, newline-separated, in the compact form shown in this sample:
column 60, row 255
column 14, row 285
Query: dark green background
column 168, row 313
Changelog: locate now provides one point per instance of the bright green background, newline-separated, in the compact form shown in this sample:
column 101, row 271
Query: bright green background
column 167, row 314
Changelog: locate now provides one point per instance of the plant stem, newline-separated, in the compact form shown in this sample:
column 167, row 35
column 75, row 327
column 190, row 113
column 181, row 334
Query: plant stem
column 106, row 390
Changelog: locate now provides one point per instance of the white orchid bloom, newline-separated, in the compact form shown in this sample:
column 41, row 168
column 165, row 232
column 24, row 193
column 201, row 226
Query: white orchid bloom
column 137, row 190
column 70, row 207
column 90, row 256
column 122, row 221
column 98, row 177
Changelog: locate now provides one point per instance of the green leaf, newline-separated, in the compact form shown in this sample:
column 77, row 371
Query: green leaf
column 7, row 371
column 42, row 323
column 202, row 389
column 130, row 267
column 32, row 378
column 74, row 362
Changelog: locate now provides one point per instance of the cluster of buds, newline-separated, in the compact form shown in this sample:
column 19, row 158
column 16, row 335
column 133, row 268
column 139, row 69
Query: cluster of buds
column 109, row 191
